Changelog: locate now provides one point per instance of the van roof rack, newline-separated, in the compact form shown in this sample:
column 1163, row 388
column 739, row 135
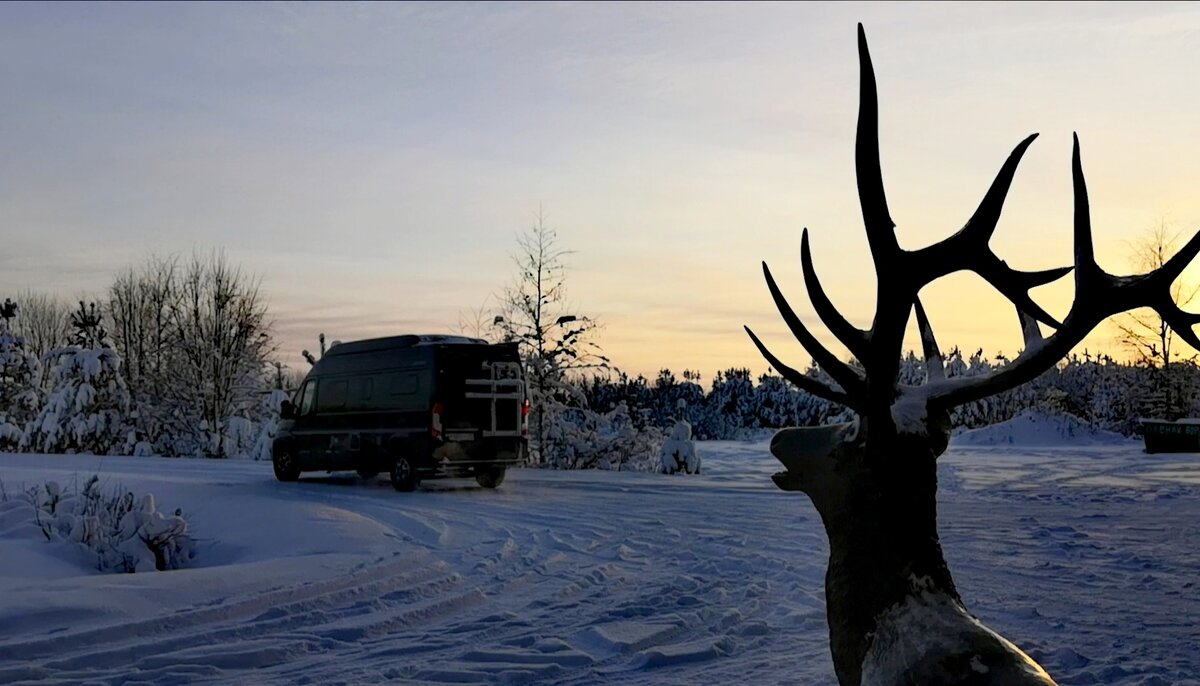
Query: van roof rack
column 405, row 341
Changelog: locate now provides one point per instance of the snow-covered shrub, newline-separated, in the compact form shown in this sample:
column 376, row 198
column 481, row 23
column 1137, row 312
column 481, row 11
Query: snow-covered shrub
column 20, row 373
column 143, row 449
column 249, row 434
column 86, row 410
column 579, row 438
column 269, row 424
column 678, row 452
column 123, row 531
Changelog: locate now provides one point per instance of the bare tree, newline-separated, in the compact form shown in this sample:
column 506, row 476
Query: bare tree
column 555, row 340
column 140, row 306
column 874, row 480
column 285, row 377
column 1146, row 334
column 222, row 343
column 141, row 303
column 480, row 322
column 44, row 322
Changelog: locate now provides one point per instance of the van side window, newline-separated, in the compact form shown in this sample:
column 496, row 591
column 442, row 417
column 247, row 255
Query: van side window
column 362, row 393
column 333, row 395
column 307, row 395
column 402, row 384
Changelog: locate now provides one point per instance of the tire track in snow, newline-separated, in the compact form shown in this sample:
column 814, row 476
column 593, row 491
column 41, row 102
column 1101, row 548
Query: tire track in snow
column 616, row 611
column 522, row 587
column 295, row 614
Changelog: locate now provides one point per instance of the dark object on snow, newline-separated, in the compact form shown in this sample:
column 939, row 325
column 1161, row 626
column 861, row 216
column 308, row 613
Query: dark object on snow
column 1171, row 437
column 416, row 407
column 895, row 616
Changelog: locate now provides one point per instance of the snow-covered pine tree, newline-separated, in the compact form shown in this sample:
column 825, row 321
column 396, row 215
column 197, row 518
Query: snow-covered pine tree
column 20, row 374
column 86, row 410
column 669, row 399
column 729, row 407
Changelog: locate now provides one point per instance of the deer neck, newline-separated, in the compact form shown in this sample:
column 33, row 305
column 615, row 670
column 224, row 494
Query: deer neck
column 879, row 509
column 883, row 548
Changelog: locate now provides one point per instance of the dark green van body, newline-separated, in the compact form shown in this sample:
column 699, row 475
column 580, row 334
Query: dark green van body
column 451, row 405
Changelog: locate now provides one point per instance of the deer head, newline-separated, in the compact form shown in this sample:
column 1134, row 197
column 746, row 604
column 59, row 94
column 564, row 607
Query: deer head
column 873, row 481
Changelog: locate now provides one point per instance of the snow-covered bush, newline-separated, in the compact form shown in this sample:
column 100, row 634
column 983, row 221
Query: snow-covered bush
column 123, row 532
column 86, row 410
column 579, row 438
column 20, row 373
column 272, row 404
column 678, row 452
column 19, row 396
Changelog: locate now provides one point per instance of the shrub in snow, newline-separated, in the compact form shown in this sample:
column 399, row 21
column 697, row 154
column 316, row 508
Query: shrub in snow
column 86, row 410
column 125, row 532
column 678, row 453
column 143, row 449
column 20, row 373
column 579, row 438
column 247, row 434
column 269, row 425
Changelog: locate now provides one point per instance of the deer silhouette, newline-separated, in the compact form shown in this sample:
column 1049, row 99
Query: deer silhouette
column 895, row 616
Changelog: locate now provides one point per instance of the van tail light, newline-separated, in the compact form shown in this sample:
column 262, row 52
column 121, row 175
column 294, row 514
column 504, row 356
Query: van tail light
column 525, row 407
column 435, row 426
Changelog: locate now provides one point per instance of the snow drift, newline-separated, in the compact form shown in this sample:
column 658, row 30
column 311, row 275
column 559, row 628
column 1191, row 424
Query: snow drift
column 1035, row 428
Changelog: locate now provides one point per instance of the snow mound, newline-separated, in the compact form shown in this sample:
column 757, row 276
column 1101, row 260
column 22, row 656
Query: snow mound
column 1038, row 428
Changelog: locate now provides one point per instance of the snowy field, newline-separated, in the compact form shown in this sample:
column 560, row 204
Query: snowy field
column 1086, row 556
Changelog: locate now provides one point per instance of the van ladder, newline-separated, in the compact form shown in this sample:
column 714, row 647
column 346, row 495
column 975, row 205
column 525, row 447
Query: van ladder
column 503, row 383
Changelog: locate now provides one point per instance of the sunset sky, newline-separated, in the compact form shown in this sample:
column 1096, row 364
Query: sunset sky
column 374, row 163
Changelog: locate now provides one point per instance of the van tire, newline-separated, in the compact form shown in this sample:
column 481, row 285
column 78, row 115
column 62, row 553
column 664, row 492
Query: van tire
column 490, row 477
column 404, row 475
column 284, row 465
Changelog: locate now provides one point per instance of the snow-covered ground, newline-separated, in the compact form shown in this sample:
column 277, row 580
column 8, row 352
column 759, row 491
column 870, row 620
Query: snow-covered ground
column 1088, row 557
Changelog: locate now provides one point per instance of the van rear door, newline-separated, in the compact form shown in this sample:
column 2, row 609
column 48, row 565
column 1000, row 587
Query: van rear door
column 481, row 392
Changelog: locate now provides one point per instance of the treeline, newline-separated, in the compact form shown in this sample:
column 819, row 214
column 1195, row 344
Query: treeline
column 174, row 359
column 1111, row 395
column 177, row 359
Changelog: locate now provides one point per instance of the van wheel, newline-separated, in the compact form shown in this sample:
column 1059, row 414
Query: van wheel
column 285, row 466
column 368, row 473
column 490, row 477
column 404, row 475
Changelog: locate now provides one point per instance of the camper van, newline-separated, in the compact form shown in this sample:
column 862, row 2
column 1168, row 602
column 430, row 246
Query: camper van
column 417, row 407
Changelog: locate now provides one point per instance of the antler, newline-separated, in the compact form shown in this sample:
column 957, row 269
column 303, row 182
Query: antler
column 903, row 273
column 1098, row 295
